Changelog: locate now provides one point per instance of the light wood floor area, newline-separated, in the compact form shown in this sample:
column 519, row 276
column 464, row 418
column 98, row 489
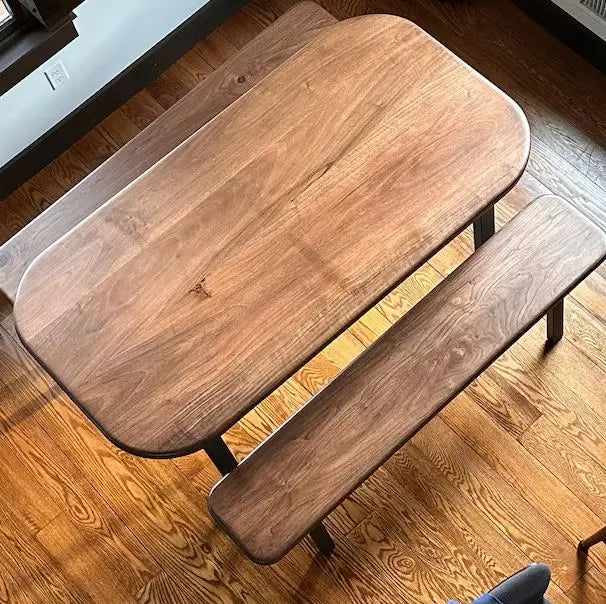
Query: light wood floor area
column 513, row 470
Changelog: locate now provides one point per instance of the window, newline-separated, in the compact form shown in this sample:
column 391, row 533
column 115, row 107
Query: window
column 32, row 31
column 5, row 14
column 13, row 17
column 6, row 18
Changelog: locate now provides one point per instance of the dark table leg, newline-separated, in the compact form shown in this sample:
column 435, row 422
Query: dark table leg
column 555, row 322
column 220, row 455
column 483, row 227
column 322, row 539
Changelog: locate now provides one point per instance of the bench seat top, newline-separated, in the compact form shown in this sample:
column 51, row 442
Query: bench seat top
column 192, row 294
column 328, row 448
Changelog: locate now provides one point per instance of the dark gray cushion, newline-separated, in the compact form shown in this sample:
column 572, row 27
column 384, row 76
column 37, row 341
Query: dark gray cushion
column 527, row 586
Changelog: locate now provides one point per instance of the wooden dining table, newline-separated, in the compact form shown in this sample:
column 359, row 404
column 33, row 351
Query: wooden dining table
column 191, row 295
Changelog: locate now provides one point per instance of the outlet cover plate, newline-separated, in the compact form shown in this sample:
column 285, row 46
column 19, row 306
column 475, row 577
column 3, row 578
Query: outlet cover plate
column 56, row 75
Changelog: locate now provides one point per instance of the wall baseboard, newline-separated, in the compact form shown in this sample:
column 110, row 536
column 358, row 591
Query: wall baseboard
column 116, row 92
column 573, row 33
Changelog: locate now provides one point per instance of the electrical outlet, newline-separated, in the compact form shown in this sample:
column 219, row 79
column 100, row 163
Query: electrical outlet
column 56, row 75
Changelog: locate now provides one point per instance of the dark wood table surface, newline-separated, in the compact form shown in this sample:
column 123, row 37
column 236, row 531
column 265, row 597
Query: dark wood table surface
column 208, row 281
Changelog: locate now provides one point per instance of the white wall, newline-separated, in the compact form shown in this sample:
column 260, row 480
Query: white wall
column 112, row 34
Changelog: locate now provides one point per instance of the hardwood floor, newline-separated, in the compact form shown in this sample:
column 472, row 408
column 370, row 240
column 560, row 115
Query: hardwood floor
column 513, row 470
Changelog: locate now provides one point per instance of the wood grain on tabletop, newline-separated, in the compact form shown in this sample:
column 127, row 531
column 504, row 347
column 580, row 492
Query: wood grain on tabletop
column 277, row 187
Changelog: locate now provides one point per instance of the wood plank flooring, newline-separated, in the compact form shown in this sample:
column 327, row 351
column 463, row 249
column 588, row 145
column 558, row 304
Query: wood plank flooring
column 513, row 470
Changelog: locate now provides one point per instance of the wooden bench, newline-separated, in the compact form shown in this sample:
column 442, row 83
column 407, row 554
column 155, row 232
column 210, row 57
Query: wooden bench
column 303, row 471
column 230, row 81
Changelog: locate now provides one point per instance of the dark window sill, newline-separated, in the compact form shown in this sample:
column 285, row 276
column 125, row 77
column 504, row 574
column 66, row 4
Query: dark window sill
column 24, row 51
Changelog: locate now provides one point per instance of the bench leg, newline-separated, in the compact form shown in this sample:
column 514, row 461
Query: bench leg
column 220, row 455
column 483, row 227
column 555, row 322
column 322, row 539
column 591, row 541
